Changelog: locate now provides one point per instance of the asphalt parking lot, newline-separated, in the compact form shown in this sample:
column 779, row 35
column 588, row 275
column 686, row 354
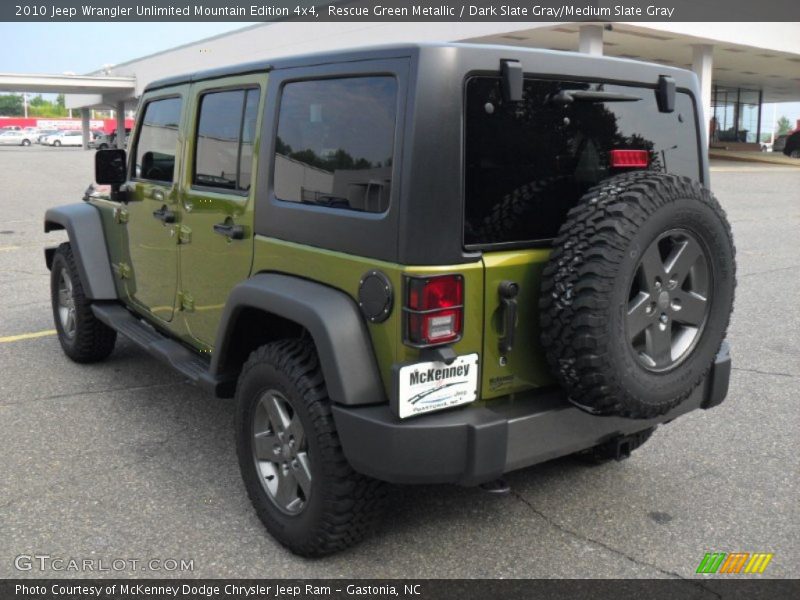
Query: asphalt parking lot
column 125, row 460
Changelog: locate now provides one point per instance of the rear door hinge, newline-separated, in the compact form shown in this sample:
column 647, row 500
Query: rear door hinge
column 184, row 234
column 185, row 302
column 122, row 270
column 120, row 215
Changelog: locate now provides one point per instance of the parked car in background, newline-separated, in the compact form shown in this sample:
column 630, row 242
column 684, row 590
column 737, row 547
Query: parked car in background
column 14, row 138
column 65, row 138
column 101, row 142
column 108, row 140
column 112, row 139
column 791, row 145
column 10, row 128
column 779, row 144
column 44, row 133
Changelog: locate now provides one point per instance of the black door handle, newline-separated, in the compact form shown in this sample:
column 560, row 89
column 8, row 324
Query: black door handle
column 508, row 291
column 229, row 230
column 164, row 215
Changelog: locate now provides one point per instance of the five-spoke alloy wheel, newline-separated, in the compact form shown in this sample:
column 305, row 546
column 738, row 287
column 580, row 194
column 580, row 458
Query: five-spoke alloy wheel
column 292, row 463
column 280, row 451
column 83, row 337
column 669, row 300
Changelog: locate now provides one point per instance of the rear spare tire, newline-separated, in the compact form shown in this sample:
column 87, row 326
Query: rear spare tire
column 637, row 294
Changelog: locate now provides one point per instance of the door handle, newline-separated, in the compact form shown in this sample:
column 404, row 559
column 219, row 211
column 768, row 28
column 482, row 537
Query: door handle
column 229, row 230
column 508, row 291
column 164, row 215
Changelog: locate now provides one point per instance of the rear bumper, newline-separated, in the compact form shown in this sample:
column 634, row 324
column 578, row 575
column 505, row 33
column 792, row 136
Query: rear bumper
column 479, row 443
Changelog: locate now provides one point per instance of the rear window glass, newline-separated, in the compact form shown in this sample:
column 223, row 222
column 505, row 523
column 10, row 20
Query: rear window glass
column 528, row 163
column 335, row 142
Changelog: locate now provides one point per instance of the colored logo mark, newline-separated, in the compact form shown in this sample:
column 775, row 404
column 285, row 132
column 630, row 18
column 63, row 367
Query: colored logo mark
column 735, row 562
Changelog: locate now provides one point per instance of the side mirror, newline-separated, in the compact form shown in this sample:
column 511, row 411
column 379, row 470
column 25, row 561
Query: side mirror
column 110, row 167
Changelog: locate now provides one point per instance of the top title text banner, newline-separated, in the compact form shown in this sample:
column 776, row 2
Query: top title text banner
column 399, row 10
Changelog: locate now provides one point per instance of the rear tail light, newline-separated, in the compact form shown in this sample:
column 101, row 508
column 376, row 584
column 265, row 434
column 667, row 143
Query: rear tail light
column 434, row 309
column 629, row 159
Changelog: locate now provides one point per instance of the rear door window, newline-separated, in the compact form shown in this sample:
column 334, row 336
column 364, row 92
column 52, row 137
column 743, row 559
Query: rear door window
column 528, row 163
column 335, row 142
column 224, row 146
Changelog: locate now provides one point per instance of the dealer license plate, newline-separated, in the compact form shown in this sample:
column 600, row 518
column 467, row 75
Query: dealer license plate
column 429, row 386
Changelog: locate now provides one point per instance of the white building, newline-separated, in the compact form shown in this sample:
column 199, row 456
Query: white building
column 740, row 65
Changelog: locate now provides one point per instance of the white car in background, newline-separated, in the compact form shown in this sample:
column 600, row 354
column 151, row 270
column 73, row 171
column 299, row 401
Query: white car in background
column 15, row 138
column 44, row 133
column 64, row 138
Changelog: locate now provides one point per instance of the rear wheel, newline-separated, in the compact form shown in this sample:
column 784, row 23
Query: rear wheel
column 26, row 142
column 637, row 295
column 297, row 477
column 82, row 336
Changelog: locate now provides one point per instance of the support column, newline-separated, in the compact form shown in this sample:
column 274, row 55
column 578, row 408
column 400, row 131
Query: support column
column 590, row 40
column 702, row 65
column 120, row 112
column 85, row 127
column 760, row 107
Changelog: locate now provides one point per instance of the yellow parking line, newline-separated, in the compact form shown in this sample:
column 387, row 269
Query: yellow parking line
column 8, row 248
column 27, row 336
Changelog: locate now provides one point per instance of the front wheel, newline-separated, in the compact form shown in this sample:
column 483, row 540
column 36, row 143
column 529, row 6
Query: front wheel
column 56, row 143
column 290, row 457
column 83, row 337
column 26, row 142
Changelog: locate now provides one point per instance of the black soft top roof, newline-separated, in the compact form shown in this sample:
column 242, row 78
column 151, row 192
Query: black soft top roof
column 403, row 51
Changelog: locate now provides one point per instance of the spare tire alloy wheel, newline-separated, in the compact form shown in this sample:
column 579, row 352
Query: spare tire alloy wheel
column 637, row 294
column 669, row 300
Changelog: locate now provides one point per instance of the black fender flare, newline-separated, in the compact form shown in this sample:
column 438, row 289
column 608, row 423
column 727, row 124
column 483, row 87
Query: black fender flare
column 85, row 230
column 332, row 319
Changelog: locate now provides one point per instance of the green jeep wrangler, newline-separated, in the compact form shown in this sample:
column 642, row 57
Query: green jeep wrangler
column 410, row 264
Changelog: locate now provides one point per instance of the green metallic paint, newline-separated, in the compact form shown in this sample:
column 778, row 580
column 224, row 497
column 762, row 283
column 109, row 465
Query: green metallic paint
column 344, row 272
column 525, row 366
column 211, row 264
column 151, row 246
column 199, row 273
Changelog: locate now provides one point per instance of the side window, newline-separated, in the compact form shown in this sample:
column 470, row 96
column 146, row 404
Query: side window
column 158, row 140
column 225, row 133
column 335, row 142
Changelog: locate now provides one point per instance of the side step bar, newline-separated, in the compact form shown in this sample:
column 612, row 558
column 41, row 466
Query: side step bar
column 183, row 360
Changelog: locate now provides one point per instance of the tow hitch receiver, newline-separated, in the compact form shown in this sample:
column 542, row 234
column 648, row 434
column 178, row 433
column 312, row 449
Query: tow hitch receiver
column 620, row 447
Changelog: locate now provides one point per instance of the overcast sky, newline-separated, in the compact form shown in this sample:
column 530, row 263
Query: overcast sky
column 85, row 47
